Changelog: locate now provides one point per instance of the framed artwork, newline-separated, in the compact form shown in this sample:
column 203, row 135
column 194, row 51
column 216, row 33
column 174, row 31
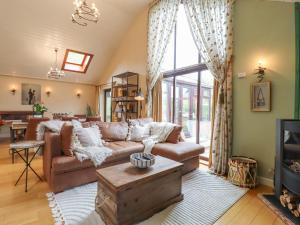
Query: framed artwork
column 31, row 94
column 261, row 97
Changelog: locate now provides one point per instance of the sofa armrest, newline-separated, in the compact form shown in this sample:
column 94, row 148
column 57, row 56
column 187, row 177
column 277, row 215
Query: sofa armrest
column 52, row 148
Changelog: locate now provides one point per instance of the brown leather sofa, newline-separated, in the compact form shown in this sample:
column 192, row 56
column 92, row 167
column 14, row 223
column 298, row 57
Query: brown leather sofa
column 63, row 172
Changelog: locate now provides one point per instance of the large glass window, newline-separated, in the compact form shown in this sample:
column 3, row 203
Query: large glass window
column 107, row 105
column 187, row 86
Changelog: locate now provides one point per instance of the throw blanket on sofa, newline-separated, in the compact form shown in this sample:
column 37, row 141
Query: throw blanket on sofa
column 97, row 154
column 53, row 125
column 159, row 132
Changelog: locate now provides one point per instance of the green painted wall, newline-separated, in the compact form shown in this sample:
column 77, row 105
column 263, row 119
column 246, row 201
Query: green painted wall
column 297, row 46
column 262, row 30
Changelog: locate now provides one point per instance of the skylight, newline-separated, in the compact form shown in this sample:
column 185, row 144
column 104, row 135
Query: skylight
column 76, row 61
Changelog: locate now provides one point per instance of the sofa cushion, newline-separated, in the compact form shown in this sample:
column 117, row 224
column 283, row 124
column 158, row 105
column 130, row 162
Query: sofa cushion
column 113, row 131
column 63, row 164
column 178, row 152
column 140, row 122
column 138, row 133
column 174, row 136
column 121, row 150
column 89, row 136
column 66, row 134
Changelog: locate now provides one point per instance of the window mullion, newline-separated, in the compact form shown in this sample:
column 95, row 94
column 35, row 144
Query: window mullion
column 174, row 78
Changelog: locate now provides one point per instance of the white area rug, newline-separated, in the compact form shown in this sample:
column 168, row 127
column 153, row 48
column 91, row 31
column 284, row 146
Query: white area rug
column 206, row 198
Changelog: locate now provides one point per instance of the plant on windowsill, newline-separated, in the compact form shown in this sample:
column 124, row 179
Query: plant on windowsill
column 39, row 110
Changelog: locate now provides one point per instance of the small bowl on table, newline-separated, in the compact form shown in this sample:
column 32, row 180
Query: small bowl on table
column 142, row 160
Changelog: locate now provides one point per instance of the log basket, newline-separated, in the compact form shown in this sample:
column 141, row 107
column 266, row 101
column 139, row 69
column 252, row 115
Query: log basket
column 242, row 171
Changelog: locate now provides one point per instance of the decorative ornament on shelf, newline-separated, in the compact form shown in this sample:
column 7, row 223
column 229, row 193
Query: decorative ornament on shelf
column 260, row 70
column 55, row 72
column 140, row 97
column 39, row 110
column 84, row 13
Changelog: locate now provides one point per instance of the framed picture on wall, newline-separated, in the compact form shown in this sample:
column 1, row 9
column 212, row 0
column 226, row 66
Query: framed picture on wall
column 31, row 94
column 261, row 97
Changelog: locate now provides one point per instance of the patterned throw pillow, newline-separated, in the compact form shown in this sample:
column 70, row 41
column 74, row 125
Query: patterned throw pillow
column 138, row 133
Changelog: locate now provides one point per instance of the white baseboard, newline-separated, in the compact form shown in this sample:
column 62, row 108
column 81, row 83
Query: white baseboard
column 265, row 181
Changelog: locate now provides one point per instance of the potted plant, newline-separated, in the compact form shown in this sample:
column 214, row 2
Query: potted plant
column 39, row 110
column 89, row 111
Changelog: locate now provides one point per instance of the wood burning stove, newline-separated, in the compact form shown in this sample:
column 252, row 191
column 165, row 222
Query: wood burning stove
column 287, row 156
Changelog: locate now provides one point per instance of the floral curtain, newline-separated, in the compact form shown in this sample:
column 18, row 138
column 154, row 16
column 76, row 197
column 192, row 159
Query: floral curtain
column 161, row 22
column 211, row 25
column 157, row 101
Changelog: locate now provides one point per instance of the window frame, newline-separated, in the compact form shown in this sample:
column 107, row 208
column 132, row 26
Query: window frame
column 76, row 64
column 196, row 68
column 105, row 104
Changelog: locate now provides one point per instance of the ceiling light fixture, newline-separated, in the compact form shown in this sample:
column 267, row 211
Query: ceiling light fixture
column 54, row 72
column 84, row 13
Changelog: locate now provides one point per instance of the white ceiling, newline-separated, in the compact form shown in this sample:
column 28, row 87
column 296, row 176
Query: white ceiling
column 31, row 29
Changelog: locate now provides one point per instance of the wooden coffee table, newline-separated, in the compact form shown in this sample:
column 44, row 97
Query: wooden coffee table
column 127, row 195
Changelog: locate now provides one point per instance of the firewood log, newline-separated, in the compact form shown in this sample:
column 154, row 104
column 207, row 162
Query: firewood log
column 284, row 191
column 296, row 213
column 291, row 206
column 291, row 198
column 283, row 200
column 298, row 207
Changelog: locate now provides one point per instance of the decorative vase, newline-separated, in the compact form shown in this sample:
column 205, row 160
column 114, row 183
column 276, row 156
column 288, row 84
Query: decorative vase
column 38, row 114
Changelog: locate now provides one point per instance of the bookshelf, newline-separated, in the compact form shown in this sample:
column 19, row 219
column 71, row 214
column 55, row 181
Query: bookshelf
column 124, row 88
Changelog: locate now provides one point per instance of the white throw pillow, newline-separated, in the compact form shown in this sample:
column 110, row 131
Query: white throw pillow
column 138, row 133
column 90, row 136
column 76, row 124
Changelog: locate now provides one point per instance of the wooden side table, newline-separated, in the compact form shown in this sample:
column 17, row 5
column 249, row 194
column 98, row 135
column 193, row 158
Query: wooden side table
column 25, row 146
column 17, row 127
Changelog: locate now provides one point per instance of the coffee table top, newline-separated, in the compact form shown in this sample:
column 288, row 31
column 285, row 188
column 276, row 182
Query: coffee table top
column 124, row 175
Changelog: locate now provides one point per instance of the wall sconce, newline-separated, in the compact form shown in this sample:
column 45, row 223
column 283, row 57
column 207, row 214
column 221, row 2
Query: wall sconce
column 78, row 94
column 48, row 93
column 13, row 90
column 260, row 70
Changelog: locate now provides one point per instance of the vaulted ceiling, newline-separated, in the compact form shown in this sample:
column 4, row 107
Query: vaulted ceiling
column 31, row 29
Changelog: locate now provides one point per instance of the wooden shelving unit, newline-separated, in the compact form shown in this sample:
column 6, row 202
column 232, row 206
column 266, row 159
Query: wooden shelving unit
column 124, row 88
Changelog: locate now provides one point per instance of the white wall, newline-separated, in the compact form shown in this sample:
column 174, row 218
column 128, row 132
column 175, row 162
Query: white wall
column 62, row 98
column 130, row 56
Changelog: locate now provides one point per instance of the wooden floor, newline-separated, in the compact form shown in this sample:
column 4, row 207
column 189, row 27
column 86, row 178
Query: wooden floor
column 31, row 208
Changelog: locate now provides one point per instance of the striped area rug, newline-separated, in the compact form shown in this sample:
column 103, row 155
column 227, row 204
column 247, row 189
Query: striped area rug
column 206, row 198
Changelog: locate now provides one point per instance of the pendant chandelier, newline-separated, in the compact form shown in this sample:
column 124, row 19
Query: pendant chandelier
column 55, row 72
column 84, row 13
